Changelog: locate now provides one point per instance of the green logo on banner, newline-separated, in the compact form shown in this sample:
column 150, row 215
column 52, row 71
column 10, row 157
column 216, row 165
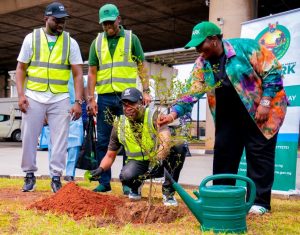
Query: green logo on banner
column 276, row 38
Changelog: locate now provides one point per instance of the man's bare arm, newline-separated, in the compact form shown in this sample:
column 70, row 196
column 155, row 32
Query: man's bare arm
column 78, row 85
column 92, row 79
column 108, row 159
column 78, row 81
column 20, row 81
column 144, row 76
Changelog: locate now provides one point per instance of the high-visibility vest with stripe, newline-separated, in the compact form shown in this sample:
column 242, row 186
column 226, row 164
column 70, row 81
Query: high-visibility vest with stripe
column 49, row 68
column 142, row 148
column 117, row 73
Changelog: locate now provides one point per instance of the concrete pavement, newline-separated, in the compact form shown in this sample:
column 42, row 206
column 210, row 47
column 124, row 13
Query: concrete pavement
column 195, row 168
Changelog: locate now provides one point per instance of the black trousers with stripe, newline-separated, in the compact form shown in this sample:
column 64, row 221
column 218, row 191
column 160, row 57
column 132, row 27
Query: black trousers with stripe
column 236, row 131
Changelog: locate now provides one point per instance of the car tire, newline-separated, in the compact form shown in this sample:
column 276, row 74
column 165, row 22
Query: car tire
column 16, row 135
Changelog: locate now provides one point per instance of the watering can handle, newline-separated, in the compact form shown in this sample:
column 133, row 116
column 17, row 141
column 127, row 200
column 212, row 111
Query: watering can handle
column 238, row 177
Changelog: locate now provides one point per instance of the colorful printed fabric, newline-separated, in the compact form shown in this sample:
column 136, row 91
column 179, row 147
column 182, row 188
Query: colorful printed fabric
column 253, row 71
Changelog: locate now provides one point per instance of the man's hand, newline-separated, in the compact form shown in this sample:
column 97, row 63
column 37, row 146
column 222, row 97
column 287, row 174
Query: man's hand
column 262, row 114
column 161, row 156
column 164, row 119
column 92, row 107
column 23, row 103
column 96, row 174
column 76, row 111
column 146, row 98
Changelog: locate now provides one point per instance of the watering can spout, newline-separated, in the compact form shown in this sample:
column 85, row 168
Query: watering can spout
column 192, row 204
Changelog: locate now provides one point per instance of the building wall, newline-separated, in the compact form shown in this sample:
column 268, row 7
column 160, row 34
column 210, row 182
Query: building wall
column 8, row 6
column 160, row 80
column 229, row 14
column 2, row 85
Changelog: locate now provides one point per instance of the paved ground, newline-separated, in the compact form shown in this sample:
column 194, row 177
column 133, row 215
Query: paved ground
column 195, row 168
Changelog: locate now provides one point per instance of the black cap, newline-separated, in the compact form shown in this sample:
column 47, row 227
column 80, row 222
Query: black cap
column 56, row 9
column 132, row 94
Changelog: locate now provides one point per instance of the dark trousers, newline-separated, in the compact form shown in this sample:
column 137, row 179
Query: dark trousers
column 132, row 174
column 233, row 134
column 108, row 105
column 135, row 172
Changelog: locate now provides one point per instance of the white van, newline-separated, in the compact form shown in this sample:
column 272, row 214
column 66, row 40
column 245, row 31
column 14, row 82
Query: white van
column 10, row 127
column 10, row 119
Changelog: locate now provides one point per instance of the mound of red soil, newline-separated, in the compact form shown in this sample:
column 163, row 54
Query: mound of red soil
column 79, row 202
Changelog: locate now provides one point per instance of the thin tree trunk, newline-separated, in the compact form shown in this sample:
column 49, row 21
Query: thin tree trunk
column 149, row 202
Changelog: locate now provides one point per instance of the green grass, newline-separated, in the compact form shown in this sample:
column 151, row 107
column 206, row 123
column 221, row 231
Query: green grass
column 15, row 219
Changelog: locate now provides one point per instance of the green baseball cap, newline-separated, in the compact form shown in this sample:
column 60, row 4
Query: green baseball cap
column 201, row 31
column 108, row 12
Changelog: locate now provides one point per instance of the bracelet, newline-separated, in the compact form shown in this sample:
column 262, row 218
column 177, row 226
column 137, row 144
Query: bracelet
column 79, row 102
column 90, row 97
column 265, row 103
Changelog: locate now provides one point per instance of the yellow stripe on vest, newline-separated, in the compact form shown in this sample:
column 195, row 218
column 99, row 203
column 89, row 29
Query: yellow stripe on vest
column 137, row 150
column 117, row 73
column 49, row 69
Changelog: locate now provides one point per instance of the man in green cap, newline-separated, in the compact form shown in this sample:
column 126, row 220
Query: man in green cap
column 115, row 60
column 248, row 106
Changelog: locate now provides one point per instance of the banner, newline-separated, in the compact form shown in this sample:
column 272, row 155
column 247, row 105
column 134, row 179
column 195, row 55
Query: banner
column 280, row 33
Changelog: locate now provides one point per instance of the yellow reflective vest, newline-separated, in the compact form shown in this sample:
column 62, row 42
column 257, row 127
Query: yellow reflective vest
column 140, row 149
column 49, row 68
column 116, row 73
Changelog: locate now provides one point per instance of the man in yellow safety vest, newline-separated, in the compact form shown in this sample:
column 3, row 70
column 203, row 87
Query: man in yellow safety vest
column 115, row 60
column 46, row 59
column 136, row 130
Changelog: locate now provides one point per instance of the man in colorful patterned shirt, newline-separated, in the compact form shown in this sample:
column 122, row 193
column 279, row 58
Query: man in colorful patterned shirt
column 247, row 100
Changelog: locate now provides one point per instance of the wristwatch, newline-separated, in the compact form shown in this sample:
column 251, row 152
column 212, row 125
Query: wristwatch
column 265, row 103
column 90, row 97
column 147, row 90
column 79, row 102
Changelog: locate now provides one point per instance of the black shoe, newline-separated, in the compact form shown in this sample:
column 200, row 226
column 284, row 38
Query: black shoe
column 29, row 185
column 55, row 184
column 69, row 178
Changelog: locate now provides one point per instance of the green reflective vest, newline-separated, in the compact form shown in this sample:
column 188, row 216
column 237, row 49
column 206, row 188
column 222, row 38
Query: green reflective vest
column 49, row 68
column 143, row 148
column 117, row 73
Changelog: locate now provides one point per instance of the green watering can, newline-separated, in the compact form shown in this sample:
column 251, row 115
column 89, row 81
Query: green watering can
column 220, row 208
